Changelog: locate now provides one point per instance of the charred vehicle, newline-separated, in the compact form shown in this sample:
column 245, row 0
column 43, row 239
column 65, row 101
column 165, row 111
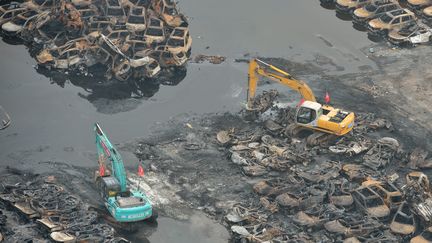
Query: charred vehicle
column 179, row 41
column 70, row 55
column 370, row 202
column 327, row 1
column 168, row 58
column 168, row 11
column 427, row 14
column 416, row 5
column 391, row 20
column 155, row 32
column 424, row 237
column 348, row 6
column 403, row 221
column 87, row 11
column 19, row 22
column 374, row 10
column 136, row 20
column 136, row 44
column 9, row 11
column 113, row 8
column 97, row 23
column 140, row 30
column 39, row 5
column 388, row 192
column 411, row 34
column 116, row 33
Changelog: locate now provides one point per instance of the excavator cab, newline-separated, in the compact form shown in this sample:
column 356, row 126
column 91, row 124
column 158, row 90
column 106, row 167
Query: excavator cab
column 308, row 113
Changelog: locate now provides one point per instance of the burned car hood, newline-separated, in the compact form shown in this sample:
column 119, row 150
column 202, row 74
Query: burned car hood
column 418, row 2
column 379, row 212
column 11, row 27
column 348, row 3
column 376, row 23
column 396, row 35
column 362, row 13
column 428, row 11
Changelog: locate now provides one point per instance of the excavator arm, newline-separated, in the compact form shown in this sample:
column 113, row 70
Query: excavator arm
column 106, row 149
column 258, row 67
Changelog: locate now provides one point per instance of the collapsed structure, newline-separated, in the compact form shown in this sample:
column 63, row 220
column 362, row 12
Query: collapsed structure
column 130, row 38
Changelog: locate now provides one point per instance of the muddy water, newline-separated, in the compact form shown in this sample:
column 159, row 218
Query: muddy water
column 54, row 123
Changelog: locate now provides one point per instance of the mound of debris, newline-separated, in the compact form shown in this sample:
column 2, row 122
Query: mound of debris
column 41, row 209
column 347, row 191
column 129, row 38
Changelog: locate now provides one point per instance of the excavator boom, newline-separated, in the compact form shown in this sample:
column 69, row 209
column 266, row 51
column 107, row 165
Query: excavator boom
column 259, row 67
column 107, row 150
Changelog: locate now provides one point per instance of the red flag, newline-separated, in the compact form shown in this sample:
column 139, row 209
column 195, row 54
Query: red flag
column 327, row 98
column 301, row 102
column 101, row 170
column 140, row 170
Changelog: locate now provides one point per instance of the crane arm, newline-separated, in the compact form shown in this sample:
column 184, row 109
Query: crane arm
column 107, row 150
column 258, row 67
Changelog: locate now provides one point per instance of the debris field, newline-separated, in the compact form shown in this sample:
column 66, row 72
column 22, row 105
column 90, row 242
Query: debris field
column 266, row 186
column 127, row 39
column 245, row 171
column 38, row 209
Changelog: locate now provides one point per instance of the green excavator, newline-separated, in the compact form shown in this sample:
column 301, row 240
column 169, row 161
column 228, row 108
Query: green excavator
column 123, row 203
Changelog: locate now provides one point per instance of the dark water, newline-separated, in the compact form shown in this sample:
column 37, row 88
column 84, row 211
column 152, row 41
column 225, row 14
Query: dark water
column 52, row 122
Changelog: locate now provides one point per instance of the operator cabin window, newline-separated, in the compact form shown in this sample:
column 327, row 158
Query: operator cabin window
column 306, row 115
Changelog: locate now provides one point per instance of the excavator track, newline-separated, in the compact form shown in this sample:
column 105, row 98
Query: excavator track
column 318, row 138
column 293, row 130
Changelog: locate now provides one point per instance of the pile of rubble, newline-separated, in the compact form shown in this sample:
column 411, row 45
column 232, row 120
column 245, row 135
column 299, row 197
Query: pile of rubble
column 348, row 191
column 51, row 212
column 128, row 38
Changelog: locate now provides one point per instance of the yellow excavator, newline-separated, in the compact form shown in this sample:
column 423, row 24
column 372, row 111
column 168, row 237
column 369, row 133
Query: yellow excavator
column 325, row 121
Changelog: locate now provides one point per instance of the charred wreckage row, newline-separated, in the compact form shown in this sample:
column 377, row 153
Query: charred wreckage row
column 390, row 19
column 56, row 214
column 131, row 38
column 349, row 191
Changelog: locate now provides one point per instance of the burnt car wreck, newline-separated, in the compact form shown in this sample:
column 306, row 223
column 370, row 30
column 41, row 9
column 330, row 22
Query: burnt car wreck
column 130, row 39
column 49, row 211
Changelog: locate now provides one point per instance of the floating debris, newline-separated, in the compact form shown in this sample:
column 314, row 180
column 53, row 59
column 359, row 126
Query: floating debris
column 211, row 59
column 5, row 118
